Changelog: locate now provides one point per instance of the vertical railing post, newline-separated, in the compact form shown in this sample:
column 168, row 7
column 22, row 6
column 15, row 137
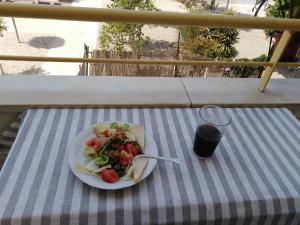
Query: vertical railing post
column 284, row 40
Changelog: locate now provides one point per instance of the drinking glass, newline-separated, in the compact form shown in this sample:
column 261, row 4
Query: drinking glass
column 214, row 121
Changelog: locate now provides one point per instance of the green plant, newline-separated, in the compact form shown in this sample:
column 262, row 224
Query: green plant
column 193, row 3
column 211, row 43
column 276, row 11
column 2, row 27
column 122, row 37
column 245, row 71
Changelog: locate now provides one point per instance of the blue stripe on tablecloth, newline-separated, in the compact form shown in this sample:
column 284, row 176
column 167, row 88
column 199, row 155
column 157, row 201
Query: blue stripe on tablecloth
column 163, row 170
column 132, row 117
column 69, row 189
column 25, row 167
column 237, row 143
column 52, row 190
column 151, row 188
column 261, row 161
column 213, row 189
column 251, row 179
column 86, row 189
column 184, row 213
column 262, row 142
column 40, row 170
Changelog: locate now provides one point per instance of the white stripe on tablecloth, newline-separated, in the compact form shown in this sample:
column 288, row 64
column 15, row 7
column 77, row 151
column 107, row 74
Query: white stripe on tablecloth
column 274, row 162
column 263, row 162
column 97, row 117
column 139, row 192
column 285, row 131
column 172, row 169
column 159, row 188
column 72, row 197
column 151, row 188
column 242, row 175
column 245, row 157
column 277, row 143
column 30, row 188
column 289, row 116
column 288, row 173
column 81, row 213
column 17, row 166
column 189, row 196
column 197, row 177
column 209, row 167
column 52, row 202
column 44, row 181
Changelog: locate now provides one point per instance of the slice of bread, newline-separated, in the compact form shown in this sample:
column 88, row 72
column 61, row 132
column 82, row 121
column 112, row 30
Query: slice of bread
column 139, row 132
column 139, row 166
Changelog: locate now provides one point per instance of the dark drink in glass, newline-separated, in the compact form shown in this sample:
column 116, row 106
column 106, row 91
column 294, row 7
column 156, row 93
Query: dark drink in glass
column 206, row 140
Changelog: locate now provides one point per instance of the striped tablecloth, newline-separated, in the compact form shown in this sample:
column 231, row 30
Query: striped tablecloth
column 253, row 177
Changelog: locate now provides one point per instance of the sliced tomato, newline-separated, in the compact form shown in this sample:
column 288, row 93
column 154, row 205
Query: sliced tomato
column 124, row 162
column 97, row 142
column 109, row 175
column 92, row 143
column 124, row 155
column 124, row 158
column 131, row 149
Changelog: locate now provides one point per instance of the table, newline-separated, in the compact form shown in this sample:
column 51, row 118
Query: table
column 253, row 177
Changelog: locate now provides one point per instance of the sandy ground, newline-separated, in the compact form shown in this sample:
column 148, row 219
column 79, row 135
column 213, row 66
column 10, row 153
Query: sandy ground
column 48, row 38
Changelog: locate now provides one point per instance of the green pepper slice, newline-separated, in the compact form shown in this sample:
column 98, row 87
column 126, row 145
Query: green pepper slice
column 101, row 160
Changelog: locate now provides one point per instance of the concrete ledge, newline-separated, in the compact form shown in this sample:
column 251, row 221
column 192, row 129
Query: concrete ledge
column 21, row 92
column 242, row 92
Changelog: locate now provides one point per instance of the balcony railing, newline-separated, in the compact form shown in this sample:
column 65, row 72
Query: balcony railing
column 164, row 18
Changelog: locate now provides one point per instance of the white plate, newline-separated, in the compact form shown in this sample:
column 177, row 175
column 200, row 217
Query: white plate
column 76, row 155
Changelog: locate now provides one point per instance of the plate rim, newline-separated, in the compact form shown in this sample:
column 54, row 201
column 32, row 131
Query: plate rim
column 88, row 129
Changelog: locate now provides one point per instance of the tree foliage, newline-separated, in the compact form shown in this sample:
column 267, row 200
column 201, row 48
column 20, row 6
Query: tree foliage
column 2, row 27
column 122, row 37
column 246, row 71
column 211, row 43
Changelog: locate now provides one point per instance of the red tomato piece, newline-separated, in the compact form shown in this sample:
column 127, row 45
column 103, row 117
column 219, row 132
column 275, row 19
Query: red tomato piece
column 92, row 143
column 124, row 158
column 130, row 148
column 124, row 154
column 96, row 143
column 124, row 162
column 109, row 175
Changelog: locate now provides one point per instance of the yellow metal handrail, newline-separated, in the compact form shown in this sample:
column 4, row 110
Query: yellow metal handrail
column 144, row 17
column 166, row 18
column 134, row 61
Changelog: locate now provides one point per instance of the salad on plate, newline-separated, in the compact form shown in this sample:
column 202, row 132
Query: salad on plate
column 112, row 154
